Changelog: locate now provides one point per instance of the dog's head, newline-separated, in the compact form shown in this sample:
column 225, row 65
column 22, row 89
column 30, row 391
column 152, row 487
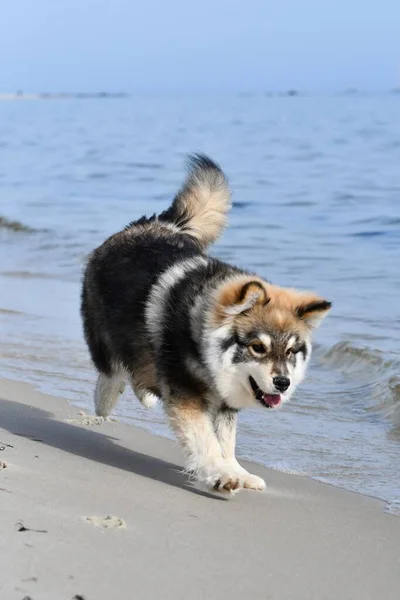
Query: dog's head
column 258, row 340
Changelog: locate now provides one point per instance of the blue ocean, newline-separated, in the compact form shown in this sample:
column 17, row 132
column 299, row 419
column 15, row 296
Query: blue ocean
column 316, row 204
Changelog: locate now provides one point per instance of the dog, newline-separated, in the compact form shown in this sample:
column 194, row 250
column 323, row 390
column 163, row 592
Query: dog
column 206, row 337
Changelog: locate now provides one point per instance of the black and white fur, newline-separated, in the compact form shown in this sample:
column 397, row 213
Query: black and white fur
column 154, row 313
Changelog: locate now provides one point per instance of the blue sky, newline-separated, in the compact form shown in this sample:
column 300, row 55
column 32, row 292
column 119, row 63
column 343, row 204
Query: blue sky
column 207, row 45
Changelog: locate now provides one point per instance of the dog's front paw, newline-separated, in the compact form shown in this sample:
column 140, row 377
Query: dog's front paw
column 253, row 482
column 250, row 482
column 225, row 479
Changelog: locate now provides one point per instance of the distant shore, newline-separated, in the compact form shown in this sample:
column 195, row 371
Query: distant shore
column 20, row 95
column 59, row 96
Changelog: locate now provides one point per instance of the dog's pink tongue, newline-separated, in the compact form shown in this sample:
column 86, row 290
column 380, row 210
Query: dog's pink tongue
column 272, row 399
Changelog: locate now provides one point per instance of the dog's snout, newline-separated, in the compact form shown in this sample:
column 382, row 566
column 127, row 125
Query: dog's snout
column 281, row 383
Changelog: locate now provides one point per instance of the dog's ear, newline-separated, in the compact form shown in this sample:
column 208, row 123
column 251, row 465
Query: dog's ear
column 313, row 311
column 240, row 297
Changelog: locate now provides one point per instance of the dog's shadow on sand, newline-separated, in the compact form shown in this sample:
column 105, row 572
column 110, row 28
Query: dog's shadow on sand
column 38, row 425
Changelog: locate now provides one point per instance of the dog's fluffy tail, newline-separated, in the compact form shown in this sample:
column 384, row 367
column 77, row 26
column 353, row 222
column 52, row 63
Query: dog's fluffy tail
column 201, row 205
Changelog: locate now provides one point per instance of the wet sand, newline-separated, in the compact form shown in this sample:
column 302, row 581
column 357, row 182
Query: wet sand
column 101, row 511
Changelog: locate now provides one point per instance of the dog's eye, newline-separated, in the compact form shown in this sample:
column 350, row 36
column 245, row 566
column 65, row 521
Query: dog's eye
column 292, row 351
column 258, row 348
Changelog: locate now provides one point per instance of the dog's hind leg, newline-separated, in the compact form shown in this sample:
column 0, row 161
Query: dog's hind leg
column 108, row 391
column 144, row 382
column 145, row 397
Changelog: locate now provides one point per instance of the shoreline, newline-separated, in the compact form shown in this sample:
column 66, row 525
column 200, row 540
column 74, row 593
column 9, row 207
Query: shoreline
column 391, row 507
column 65, row 474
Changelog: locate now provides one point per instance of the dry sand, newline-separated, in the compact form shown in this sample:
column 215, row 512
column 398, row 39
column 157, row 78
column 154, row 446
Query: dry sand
column 102, row 512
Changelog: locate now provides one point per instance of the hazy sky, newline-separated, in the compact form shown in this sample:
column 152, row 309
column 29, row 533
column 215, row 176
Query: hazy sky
column 196, row 45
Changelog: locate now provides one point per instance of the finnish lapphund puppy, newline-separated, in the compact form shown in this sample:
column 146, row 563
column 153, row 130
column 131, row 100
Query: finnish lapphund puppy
column 203, row 336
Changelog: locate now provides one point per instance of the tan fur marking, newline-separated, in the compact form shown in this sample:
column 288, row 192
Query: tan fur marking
column 145, row 375
column 279, row 313
column 229, row 296
column 194, row 429
column 289, row 298
column 253, row 289
column 230, row 291
column 187, row 408
column 207, row 209
column 269, row 318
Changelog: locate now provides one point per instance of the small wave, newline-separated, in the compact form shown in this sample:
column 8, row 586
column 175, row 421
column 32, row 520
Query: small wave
column 145, row 165
column 345, row 354
column 378, row 220
column 256, row 226
column 375, row 377
column 393, row 507
column 345, row 197
column 145, row 179
column 28, row 275
column 299, row 203
column 263, row 182
column 237, row 204
column 391, row 221
column 15, row 226
column 98, row 175
column 9, row 311
column 367, row 234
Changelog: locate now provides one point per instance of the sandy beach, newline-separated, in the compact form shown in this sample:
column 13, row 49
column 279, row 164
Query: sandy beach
column 102, row 512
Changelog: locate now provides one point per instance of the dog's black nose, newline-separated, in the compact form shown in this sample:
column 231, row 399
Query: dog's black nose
column 281, row 383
